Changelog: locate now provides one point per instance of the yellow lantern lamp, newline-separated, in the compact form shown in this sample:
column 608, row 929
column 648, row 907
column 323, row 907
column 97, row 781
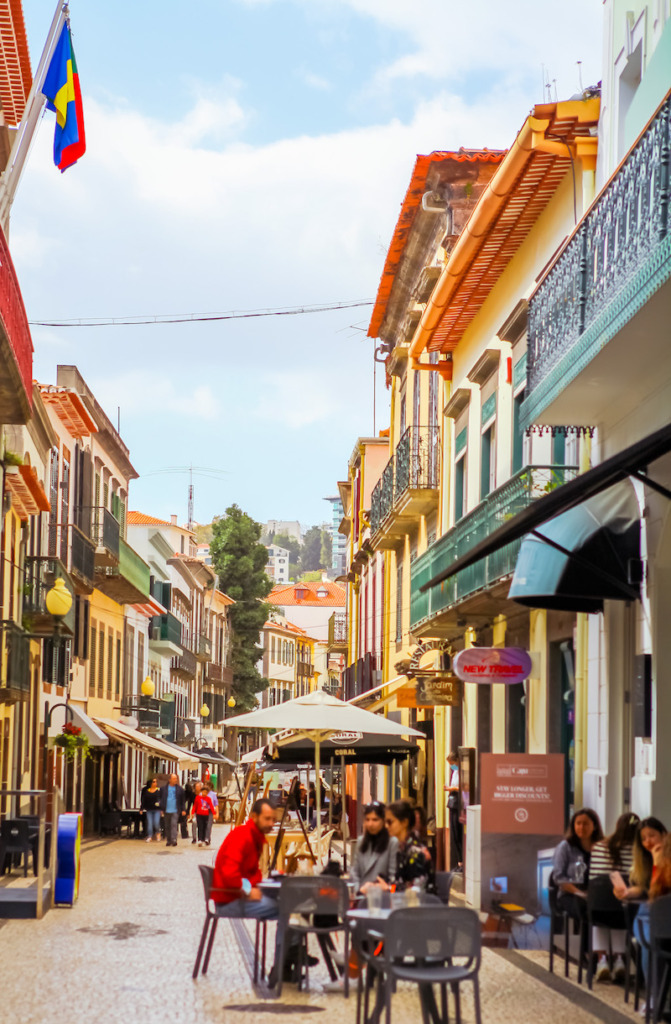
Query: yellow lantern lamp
column 231, row 702
column 204, row 711
column 147, row 688
column 58, row 599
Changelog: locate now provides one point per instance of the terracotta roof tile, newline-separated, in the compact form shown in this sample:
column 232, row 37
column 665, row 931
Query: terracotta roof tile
column 284, row 595
column 140, row 519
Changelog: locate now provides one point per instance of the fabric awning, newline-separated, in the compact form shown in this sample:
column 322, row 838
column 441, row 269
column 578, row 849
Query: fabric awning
column 632, row 461
column 582, row 557
column 356, row 748
column 155, row 748
column 94, row 733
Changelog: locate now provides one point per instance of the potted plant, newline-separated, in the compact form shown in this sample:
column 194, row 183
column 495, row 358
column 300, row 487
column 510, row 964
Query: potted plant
column 72, row 740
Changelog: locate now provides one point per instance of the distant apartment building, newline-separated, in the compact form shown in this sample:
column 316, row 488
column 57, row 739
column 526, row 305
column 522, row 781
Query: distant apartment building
column 277, row 566
column 290, row 528
column 309, row 605
column 203, row 553
column 338, row 540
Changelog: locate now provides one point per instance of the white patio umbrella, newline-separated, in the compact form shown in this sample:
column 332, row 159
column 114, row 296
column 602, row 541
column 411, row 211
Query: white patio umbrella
column 319, row 715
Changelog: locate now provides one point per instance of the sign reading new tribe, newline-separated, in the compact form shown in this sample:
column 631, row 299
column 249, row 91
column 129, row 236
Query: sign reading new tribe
column 493, row 665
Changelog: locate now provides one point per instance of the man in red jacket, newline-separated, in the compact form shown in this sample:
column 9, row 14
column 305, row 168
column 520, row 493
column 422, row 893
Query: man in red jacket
column 236, row 869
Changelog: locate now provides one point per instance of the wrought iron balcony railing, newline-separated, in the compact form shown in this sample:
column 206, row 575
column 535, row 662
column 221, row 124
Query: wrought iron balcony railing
column 417, row 460
column 14, row 663
column 75, row 550
column 502, row 504
column 106, row 532
column 338, row 630
column 617, row 258
column 185, row 663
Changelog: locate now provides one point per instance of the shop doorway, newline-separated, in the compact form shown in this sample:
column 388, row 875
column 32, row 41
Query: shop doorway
column 561, row 724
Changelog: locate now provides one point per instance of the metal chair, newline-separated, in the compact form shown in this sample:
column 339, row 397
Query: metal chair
column 15, row 838
column 210, row 925
column 660, row 955
column 603, row 908
column 312, row 896
column 560, row 915
column 444, row 885
column 421, row 945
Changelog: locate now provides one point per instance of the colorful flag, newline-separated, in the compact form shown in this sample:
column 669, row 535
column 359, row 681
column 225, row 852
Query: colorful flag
column 61, row 88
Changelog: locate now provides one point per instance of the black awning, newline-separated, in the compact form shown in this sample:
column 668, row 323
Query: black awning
column 373, row 748
column 631, row 461
column 583, row 556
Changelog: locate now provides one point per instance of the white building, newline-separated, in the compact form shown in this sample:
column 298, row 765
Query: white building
column 277, row 565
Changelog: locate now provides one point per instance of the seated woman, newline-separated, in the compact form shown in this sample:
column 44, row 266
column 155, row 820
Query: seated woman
column 375, row 852
column 570, row 866
column 414, row 867
column 615, row 853
column 650, row 877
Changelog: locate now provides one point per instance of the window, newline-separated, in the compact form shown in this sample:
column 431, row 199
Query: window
column 558, row 449
column 487, row 462
column 140, row 658
column 518, row 433
column 459, row 487
column 92, row 658
column 272, row 648
column 110, row 662
column 399, row 603
column 101, row 661
column 117, row 675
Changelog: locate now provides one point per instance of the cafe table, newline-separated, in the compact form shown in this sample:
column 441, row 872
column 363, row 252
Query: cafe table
column 271, row 887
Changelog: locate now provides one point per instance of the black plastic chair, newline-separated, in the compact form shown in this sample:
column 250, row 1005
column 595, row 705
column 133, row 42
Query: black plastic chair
column 15, row 838
column 444, row 885
column 605, row 909
column 110, row 821
column 559, row 915
column 660, row 955
column 311, row 897
column 210, row 925
column 421, row 945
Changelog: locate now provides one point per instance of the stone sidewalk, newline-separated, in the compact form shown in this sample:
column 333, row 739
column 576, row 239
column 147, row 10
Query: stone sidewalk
column 126, row 950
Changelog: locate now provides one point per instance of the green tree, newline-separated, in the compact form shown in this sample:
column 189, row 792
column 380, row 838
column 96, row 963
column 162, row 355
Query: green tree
column 311, row 552
column 239, row 561
column 326, row 549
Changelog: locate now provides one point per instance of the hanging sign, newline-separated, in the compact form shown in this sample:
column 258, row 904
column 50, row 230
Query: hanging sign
column 493, row 665
column 442, row 646
column 431, row 691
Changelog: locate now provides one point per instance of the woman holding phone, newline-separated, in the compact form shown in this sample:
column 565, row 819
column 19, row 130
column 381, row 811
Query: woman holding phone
column 613, row 856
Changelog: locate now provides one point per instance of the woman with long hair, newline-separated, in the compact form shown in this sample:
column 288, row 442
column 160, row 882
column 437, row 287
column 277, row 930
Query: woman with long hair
column 414, row 866
column 570, row 866
column 614, row 853
column 375, row 853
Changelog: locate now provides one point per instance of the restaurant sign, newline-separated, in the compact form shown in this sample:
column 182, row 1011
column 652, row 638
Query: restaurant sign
column 493, row 665
column 431, row 691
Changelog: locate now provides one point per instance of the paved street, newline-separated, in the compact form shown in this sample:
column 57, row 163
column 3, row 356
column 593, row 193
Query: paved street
column 126, row 950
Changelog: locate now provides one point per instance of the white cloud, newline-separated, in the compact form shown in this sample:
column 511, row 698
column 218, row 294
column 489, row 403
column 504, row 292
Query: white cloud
column 143, row 394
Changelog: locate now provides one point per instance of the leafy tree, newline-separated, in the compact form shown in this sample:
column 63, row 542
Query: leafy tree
column 239, row 560
column 326, row 549
column 312, row 550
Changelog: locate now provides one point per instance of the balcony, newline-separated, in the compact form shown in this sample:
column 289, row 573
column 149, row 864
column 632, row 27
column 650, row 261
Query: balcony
column 185, row 664
column 127, row 583
column 502, row 504
column 40, row 574
column 76, row 552
column 408, row 487
column 106, row 539
column 218, row 675
column 147, row 710
column 16, row 347
column 600, row 316
column 337, row 640
column 202, row 647
column 14, row 664
column 305, row 669
column 165, row 635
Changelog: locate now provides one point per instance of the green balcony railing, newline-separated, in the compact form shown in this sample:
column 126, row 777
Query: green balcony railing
column 133, row 568
column 618, row 257
column 14, row 663
column 166, row 628
column 502, row 504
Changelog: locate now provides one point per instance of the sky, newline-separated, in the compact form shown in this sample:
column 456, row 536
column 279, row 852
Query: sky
column 246, row 155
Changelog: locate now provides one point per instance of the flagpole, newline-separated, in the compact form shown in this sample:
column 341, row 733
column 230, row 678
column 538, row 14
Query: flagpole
column 25, row 131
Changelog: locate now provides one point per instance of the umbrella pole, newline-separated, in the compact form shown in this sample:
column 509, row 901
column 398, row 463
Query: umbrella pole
column 343, row 811
column 331, row 797
column 318, row 788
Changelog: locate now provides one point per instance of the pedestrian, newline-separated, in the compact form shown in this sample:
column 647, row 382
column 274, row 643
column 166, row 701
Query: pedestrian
column 235, row 884
column 173, row 809
column 203, row 810
column 197, row 789
column 215, row 812
column 189, row 796
column 456, row 827
column 151, row 805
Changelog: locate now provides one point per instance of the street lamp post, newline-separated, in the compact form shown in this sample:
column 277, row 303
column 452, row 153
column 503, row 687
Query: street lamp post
column 58, row 603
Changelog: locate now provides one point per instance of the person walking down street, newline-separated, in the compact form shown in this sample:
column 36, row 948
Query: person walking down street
column 173, row 809
column 456, row 827
column 215, row 812
column 189, row 797
column 203, row 810
column 151, row 805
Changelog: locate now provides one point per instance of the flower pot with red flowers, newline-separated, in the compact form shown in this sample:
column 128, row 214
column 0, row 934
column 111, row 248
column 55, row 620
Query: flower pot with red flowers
column 72, row 741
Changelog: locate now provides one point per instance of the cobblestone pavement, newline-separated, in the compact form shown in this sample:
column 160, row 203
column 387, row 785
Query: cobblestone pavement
column 125, row 953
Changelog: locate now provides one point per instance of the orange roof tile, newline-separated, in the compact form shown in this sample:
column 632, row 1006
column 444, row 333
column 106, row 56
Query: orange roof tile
column 284, row 595
column 409, row 208
column 15, row 74
column 289, row 627
column 140, row 519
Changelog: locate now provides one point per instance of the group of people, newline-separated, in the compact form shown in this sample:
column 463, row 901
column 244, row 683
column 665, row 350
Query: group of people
column 636, row 857
column 172, row 808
